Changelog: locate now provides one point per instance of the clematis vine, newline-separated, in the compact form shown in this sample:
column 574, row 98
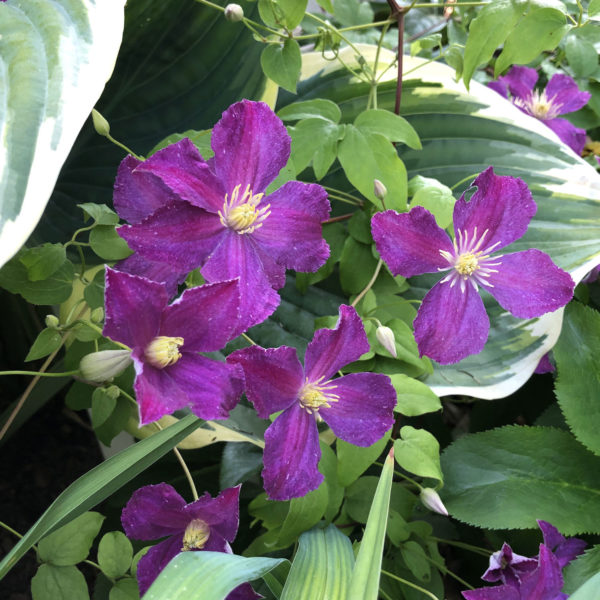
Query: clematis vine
column 158, row 511
column 561, row 96
column 451, row 322
column 165, row 341
column 186, row 212
column 358, row 407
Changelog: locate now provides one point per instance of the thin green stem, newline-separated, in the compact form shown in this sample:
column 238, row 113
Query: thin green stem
column 447, row 571
column 370, row 284
column 124, row 147
column 467, row 178
column 402, row 475
column 342, row 193
column 8, row 528
column 374, row 80
column 249, row 339
column 245, row 20
column 385, row 596
column 187, row 473
column 410, row 584
column 342, row 199
column 580, row 17
column 99, row 330
column 462, row 545
column 38, row 374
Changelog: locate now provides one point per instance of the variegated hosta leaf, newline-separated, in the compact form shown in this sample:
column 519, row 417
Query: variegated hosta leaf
column 462, row 134
column 55, row 57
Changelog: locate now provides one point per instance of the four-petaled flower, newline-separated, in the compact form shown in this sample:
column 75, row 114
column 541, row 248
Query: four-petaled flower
column 165, row 341
column 158, row 511
column 560, row 96
column 217, row 215
column 358, row 407
column 451, row 322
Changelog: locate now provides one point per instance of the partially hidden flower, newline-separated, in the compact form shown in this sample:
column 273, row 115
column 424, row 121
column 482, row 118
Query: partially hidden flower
column 185, row 212
column 565, row 549
column 451, row 322
column 545, row 366
column 158, row 511
column 358, row 407
column 166, row 339
column 559, row 97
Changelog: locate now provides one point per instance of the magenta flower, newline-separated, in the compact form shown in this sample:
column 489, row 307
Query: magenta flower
column 451, row 322
column 561, row 96
column 358, row 407
column 216, row 215
column 565, row 549
column 165, row 341
column 158, row 511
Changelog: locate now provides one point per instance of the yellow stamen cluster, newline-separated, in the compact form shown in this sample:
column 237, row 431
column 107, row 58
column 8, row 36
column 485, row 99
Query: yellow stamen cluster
column 467, row 263
column 163, row 351
column 241, row 213
column 538, row 105
column 314, row 395
column 196, row 535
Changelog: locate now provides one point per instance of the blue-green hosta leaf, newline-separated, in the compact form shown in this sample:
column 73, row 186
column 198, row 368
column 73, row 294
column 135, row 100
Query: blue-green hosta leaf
column 55, row 57
column 462, row 134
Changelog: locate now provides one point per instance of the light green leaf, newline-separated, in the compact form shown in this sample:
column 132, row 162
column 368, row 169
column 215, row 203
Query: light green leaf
column 208, row 575
column 353, row 460
column 319, row 108
column 322, row 566
column 593, row 8
column 414, row 397
column 578, row 571
column 125, row 589
column 356, row 266
column 392, row 126
column 43, row 261
column 103, row 404
column 108, row 244
column 282, row 63
column 46, row 342
column 293, row 11
column 304, row 149
column 416, row 560
column 511, row 476
column 56, row 57
column 352, row 12
column 589, row 590
column 100, row 213
column 418, row 452
column 436, row 197
column 115, row 553
column 582, row 56
column 59, row 583
column 426, row 43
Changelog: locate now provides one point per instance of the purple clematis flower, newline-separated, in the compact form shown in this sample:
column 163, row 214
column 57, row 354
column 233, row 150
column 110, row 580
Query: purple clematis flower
column 560, row 96
column 358, row 407
column 157, row 511
column 508, row 567
column 451, row 322
column 545, row 366
column 216, row 215
column 565, row 549
column 165, row 341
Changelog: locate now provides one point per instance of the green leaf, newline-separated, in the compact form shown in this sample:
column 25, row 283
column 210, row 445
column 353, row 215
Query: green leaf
column 418, row 452
column 56, row 59
column 356, row 266
column 593, row 8
column 577, row 384
column 125, row 589
column 589, row 590
column 211, row 575
column 352, row 12
column 293, row 11
column 578, row 571
column 103, row 404
column 414, row 397
column 94, row 291
column 353, row 460
column 416, row 560
column 99, row 483
column 322, row 566
column 364, row 584
column 392, row 126
column 319, row 108
column 43, row 261
column 582, row 56
column 108, row 244
column 511, row 476
column 304, row 149
column 100, row 213
column 46, row 342
column 282, row 63
column 436, row 197
column 59, row 583
column 71, row 543
column 426, row 43
column 115, row 553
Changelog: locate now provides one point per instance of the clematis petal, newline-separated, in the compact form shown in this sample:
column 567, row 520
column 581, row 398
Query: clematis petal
column 451, row 324
column 332, row 349
column 572, row 136
column 137, row 194
column 182, row 169
column 291, row 455
column 220, row 513
column 156, row 559
column 364, row 411
column 273, row 376
column 211, row 388
column 502, row 205
column 181, row 235
column 126, row 321
column 499, row 592
column 528, row 284
column 508, row 566
column 292, row 233
column 545, row 583
column 520, row 81
column 410, row 243
column 238, row 256
column 154, row 511
column 565, row 549
column 499, row 86
column 545, row 366
column 251, row 146
column 208, row 329
column 564, row 92
column 243, row 592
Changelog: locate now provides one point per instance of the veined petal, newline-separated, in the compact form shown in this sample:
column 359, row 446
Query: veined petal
column 528, row 284
column 156, row 559
column 243, row 592
column 182, row 169
column 410, row 243
column 545, row 366
column 137, row 194
column 520, row 81
column 502, row 205
column 365, row 410
column 181, row 235
column 211, row 388
column 204, row 316
column 451, row 324
column 154, row 511
column 134, row 306
column 291, row 455
column 545, row 583
column 273, row 376
column 565, row 549
column 220, row 513
column 499, row 86
column 292, row 233
column 332, row 349
column 498, row 592
column 572, row 136
column 564, row 92
column 251, row 146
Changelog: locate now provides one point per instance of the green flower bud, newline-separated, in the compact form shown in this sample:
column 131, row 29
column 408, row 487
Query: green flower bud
column 104, row 365
column 385, row 336
column 100, row 123
column 234, row 13
column 431, row 499
column 379, row 189
column 52, row 322
column 113, row 391
column 97, row 315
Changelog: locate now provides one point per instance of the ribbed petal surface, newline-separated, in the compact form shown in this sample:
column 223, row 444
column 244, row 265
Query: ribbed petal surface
column 572, row 136
column 156, row 559
column 221, row 513
column 161, row 272
column 563, row 91
column 520, row 81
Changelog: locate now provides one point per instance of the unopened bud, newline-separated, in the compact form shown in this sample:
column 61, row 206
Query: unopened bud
column 379, row 189
column 52, row 321
column 113, row 391
column 97, row 315
column 234, row 13
column 104, row 365
column 431, row 499
column 385, row 336
column 100, row 123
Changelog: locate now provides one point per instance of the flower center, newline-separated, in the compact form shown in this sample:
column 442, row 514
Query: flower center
column 241, row 213
column 196, row 535
column 539, row 106
column 163, row 351
column 467, row 263
column 315, row 394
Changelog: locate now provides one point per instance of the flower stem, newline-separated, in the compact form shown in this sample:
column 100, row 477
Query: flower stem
column 5, row 526
column 467, row 178
column 475, row 549
column 370, row 284
column 447, row 571
column 39, row 374
column 249, row 340
column 410, row 584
